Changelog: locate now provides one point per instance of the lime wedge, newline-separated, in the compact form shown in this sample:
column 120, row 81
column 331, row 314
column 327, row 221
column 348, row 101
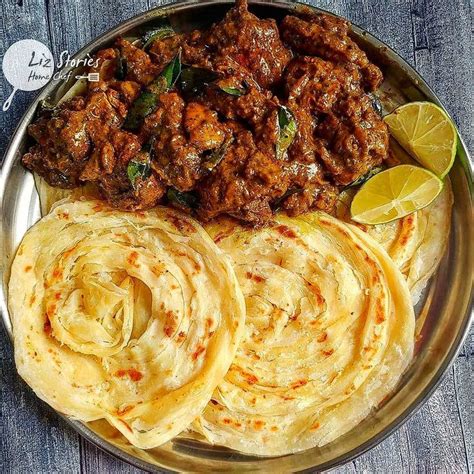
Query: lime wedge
column 427, row 133
column 395, row 193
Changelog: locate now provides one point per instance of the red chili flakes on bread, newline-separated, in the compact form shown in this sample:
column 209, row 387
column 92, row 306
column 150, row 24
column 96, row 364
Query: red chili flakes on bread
column 329, row 352
column 379, row 312
column 170, row 324
column 47, row 327
column 322, row 337
column 259, row 424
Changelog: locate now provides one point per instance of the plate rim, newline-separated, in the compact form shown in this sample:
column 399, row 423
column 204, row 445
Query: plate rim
column 20, row 130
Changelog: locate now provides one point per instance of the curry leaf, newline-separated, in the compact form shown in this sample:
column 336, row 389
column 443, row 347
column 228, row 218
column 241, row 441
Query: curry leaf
column 144, row 105
column 147, row 101
column 159, row 33
column 287, row 128
column 217, row 155
column 138, row 169
column 237, row 91
column 121, row 69
column 194, row 79
column 172, row 71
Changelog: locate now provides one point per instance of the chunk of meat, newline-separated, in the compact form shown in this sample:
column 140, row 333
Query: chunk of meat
column 117, row 147
column 322, row 197
column 353, row 139
column 163, row 51
column 316, row 84
column 338, row 127
column 327, row 36
column 251, row 107
column 204, row 130
column 252, row 43
column 244, row 183
column 105, row 64
column 140, row 67
column 181, row 133
column 76, row 134
column 63, row 145
column 117, row 189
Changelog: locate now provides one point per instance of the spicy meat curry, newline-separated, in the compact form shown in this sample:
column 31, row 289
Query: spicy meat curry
column 244, row 118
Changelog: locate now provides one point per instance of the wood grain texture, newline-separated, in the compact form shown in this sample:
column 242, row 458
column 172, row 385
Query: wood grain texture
column 435, row 37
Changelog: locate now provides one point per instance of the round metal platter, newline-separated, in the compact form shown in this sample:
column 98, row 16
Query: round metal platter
column 443, row 315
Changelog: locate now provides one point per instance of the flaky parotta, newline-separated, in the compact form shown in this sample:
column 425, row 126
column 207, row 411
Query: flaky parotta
column 416, row 243
column 134, row 318
column 329, row 331
column 49, row 196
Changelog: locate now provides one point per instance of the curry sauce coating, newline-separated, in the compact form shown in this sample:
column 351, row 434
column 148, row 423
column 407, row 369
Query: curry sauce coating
column 308, row 64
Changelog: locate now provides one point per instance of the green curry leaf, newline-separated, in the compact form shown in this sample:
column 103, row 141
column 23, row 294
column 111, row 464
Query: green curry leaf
column 287, row 128
column 236, row 91
column 147, row 101
column 194, row 79
column 216, row 156
column 172, row 71
column 144, row 105
column 138, row 169
column 159, row 33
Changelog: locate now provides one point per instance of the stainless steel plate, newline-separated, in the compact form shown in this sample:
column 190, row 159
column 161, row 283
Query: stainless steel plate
column 446, row 308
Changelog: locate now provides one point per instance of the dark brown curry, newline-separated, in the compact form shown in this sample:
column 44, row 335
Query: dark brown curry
column 244, row 118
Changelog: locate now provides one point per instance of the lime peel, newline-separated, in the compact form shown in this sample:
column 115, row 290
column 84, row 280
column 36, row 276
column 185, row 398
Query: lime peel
column 426, row 132
column 395, row 193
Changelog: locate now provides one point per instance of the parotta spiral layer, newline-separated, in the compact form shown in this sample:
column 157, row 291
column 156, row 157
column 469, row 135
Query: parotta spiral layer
column 134, row 318
column 416, row 243
column 329, row 331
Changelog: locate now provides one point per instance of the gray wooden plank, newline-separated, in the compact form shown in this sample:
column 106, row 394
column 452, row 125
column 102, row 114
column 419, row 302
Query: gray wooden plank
column 33, row 437
column 18, row 20
column 95, row 460
column 434, row 435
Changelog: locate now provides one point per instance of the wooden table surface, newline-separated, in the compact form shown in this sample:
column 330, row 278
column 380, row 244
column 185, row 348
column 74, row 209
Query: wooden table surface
column 434, row 36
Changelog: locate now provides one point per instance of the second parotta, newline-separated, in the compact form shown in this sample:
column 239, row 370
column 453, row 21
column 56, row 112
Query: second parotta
column 329, row 331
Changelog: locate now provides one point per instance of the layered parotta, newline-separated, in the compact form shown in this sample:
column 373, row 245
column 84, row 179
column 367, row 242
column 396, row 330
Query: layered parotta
column 49, row 196
column 416, row 243
column 134, row 318
column 329, row 331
